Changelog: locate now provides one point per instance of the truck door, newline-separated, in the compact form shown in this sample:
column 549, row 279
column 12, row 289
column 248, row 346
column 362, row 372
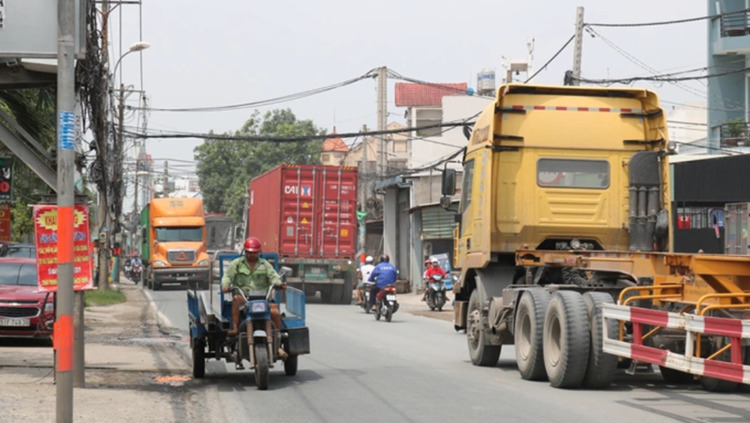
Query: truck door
column 335, row 217
column 298, row 208
column 476, row 224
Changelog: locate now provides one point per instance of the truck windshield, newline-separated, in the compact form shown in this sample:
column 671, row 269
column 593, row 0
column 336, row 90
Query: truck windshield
column 169, row 234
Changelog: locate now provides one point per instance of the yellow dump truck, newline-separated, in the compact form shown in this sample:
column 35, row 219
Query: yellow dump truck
column 563, row 245
column 174, row 243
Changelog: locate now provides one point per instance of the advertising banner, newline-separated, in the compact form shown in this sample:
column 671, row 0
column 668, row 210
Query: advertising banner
column 45, row 233
column 5, row 222
column 6, row 178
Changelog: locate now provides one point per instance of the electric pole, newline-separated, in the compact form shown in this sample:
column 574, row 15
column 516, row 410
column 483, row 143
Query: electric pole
column 66, row 119
column 363, row 186
column 118, row 175
column 578, row 47
column 166, row 180
column 382, row 117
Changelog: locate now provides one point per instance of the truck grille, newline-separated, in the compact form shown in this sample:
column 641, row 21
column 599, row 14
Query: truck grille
column 181, row 256
column 19, row 311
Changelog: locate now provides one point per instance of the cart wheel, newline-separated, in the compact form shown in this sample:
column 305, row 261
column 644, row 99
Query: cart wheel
column 199, row 358
column 261, row 366
column 290, row 365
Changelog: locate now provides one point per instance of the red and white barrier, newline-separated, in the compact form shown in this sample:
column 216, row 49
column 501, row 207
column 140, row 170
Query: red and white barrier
column 735, row 329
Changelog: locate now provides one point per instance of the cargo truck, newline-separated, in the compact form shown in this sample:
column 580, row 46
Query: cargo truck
column 174, row 243
column 306, row 214
column 563, row 244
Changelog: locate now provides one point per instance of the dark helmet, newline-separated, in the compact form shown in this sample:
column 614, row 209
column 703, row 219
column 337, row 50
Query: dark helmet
column 252, row 245
column 384, row 258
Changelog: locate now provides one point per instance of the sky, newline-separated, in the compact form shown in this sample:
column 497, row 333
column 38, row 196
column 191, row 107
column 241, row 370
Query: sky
column 237, row 51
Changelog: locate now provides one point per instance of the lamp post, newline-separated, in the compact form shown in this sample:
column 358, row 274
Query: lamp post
column 117, row 147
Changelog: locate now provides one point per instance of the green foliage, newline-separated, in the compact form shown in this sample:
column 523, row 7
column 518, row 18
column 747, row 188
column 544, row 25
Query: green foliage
column 225, row 167
column 107, row 297
column 736, row 127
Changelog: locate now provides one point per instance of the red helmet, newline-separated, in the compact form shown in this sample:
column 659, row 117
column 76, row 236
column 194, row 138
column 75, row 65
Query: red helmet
column 252, row 244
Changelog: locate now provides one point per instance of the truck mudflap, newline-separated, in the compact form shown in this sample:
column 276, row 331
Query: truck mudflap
column 695, row 326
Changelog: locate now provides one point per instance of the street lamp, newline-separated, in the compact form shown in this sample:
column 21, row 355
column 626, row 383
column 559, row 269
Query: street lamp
column 117, row 147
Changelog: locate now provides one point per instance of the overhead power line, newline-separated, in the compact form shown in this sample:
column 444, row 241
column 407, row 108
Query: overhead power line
column 284, row 98
column 678, row 21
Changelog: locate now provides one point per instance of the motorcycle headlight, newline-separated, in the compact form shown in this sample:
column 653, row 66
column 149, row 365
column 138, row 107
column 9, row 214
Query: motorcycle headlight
column 203, row 262
column 49, row 307
column 159, row 263
column 259, row 307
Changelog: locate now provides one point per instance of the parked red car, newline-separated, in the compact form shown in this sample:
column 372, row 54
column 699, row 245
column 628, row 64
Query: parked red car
column 25, row 311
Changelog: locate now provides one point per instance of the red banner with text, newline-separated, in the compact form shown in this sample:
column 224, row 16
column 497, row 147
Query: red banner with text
column 45, row 232
column 5, row 221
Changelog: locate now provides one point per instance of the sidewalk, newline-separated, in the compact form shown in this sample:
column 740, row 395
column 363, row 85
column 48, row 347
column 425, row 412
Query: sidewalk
column 133, row 372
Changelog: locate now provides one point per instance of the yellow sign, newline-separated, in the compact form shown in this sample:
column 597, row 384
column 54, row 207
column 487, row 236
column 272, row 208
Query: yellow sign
column 304, row 221
column 345, row 232
column 305, row 205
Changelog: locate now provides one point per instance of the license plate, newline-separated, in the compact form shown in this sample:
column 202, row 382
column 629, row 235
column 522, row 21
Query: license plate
column 182, row 278
column 15, row 322
column 317, row 270
column 390, row 297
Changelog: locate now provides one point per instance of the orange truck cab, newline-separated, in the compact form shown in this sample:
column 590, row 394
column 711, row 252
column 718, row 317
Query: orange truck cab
column 174, row 243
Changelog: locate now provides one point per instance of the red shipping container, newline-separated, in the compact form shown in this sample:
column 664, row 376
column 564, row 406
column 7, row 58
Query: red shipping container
column 305, row 211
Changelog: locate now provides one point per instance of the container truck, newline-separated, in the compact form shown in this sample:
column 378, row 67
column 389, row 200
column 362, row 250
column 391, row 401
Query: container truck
column 174, row 243
column 563, row 244
column 306, row 214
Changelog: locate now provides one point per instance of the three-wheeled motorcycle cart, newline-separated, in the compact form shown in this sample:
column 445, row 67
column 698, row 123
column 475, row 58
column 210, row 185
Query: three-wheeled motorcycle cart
column 257, row 341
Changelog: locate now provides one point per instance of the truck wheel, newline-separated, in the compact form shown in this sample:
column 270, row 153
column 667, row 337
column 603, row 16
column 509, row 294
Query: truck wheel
column 566, row 339
column 261, row 366
column 346, row 295
column 602, row 366
column 529, row 334
column 290, row 365
column 326, row 295
column 481, row 354
column 676, row 377
column 199, row 358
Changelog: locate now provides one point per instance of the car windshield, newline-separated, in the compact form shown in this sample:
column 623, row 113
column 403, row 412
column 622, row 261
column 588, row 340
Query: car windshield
column 18, row 274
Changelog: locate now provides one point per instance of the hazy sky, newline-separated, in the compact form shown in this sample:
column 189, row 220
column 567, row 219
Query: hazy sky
column 237, row 51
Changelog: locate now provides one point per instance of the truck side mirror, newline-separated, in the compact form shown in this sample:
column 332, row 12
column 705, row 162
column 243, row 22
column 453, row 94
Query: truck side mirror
column 449, row 182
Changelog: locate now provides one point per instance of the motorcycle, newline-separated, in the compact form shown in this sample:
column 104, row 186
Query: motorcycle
column 366, row 296
column 385, row 303
column 128, row 268
column 135, row 273
column 436, row 292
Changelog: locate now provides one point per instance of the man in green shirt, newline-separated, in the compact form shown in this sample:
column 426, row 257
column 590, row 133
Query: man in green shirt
column 251, row 273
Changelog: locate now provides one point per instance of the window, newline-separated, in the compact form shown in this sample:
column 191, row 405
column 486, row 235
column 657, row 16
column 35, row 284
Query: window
column 567, row 173
column 325, row 158
column 468, row 180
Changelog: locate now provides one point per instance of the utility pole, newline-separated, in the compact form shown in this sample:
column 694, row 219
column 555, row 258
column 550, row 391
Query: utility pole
column 382, row 116
column 118, row 176
column 165, row 190
column 578, row 47
column 66, row 119
column 363, row 187
column 136, row 212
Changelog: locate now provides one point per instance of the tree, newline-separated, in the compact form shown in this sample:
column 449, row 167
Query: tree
column 225, row 166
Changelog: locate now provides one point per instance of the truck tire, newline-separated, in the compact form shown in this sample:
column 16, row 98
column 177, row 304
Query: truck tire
column 290, row 365
column 326, row 295
column 261, row 366
column 602, row 366
column 199, row 358
column 480, row 352
column 346, row 295
column 567, row 340
column 529, row 334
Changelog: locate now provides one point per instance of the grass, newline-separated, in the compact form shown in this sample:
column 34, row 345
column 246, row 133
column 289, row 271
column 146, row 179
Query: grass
column 96, row 297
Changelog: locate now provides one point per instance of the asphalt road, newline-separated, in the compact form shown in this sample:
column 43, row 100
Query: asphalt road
column 416, row 369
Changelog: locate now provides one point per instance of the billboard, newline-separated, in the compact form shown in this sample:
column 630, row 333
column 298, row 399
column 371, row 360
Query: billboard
column 28, row 28
column 45, row 234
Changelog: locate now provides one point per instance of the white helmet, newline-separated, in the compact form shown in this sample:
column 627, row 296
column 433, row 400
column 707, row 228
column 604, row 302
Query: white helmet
column 369, row 259
column 434, row 261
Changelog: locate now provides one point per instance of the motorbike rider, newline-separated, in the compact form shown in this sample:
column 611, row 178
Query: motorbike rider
column 364, row 271
column 434, row 269
column 384, row 274
column 251, row 273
